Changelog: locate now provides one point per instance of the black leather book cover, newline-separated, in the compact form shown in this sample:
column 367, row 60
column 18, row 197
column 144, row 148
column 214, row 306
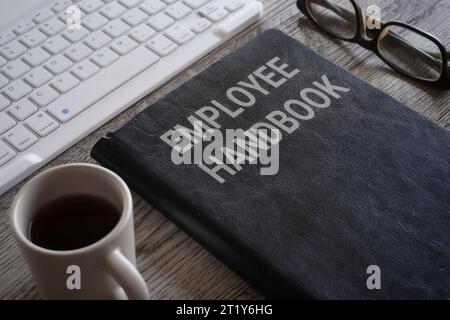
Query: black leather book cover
column 356, row 206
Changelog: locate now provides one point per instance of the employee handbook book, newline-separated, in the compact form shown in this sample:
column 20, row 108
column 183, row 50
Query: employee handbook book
column 305, row 180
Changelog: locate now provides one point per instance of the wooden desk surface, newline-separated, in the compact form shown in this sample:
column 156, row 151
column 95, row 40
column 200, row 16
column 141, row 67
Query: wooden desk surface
column 174, row 265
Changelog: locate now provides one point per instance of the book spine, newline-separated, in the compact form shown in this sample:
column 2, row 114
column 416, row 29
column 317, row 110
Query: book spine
column 240, row 259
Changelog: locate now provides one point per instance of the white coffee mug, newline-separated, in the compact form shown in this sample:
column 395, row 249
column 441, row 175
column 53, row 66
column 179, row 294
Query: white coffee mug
column 106, row 268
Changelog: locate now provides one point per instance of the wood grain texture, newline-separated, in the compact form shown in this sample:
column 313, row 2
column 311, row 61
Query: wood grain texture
column 175, row 266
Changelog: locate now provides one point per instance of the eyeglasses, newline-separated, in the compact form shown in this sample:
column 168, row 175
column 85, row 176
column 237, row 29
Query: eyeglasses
column 405, row 48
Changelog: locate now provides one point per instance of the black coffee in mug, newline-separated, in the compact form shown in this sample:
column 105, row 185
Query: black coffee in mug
column 73, row 222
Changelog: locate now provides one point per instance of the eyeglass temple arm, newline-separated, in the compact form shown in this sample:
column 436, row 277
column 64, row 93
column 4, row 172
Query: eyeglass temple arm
column 348, row 15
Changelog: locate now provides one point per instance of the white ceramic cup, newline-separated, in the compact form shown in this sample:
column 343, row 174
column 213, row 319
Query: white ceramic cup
column 107, row 267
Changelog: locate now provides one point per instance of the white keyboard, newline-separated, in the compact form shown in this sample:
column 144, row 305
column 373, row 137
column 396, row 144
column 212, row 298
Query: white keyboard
column 58, row 85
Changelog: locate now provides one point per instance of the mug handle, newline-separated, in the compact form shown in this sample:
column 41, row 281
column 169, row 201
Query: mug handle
column 126, row 275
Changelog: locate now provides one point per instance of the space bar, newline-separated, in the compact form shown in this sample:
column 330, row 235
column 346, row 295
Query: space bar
column 101, row 84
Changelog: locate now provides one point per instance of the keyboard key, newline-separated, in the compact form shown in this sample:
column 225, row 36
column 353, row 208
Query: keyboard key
column 63, row 16
column 38, row 76
column 2, row 62
column 170, row 1
column 52, row 27
column 179, row 34
column 56, row 45
column 134, row 17
column 75, row 35
column 42, row 124
column 78, row 52
column 161, row 45
column 22, row 109
column 17, row 90
column 3, row 82
column 15, row 69
column 20, row 138
column 104, row 57
column 130, row 3
column 208, row 9
column 6, row 122
column 43, row 96
column 36, row 57
column 61, row 5
column 97, row 40
column 42, row 16
column 234, row 5
column 58, row 64
column 118, row 73
column 33, row 38
column 152, row 6
column 3, row 102
column 13, row 50
column 160, row 21
column 112, row 10
column 116, row 28
column 6, row 153
column 201, row 25
column 24, row 27
column 6, row 37
column 217, row 15
column 142, row 33
column 85, row 70
column 195, row 4
column 178, row 10
column 89, row 6
column 94, row 21
column 123, row 45
column 65, row 82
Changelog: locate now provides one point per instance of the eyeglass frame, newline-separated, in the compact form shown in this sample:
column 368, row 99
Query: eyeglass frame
column 372, row 43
